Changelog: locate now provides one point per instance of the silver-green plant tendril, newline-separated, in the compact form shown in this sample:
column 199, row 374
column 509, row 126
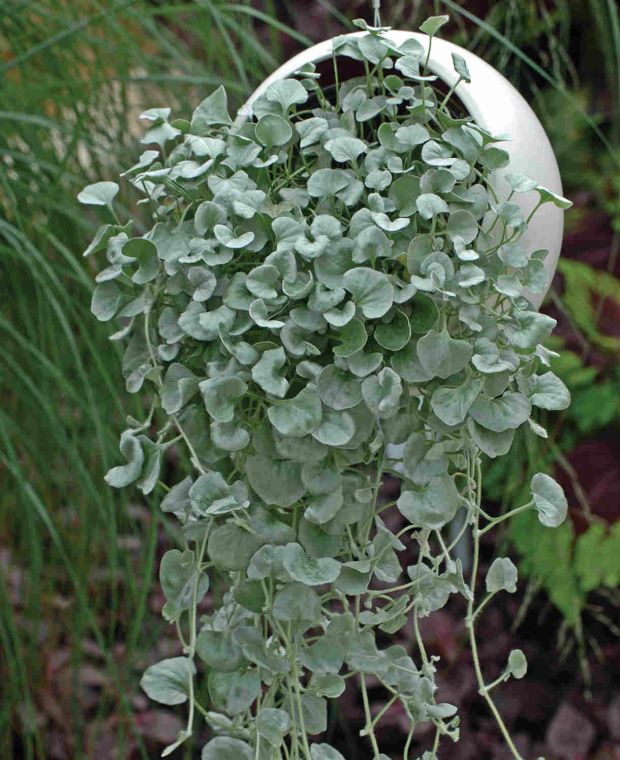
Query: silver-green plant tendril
column 329, row 292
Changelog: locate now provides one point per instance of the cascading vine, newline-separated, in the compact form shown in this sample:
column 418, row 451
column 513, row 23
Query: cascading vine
column 329, row 292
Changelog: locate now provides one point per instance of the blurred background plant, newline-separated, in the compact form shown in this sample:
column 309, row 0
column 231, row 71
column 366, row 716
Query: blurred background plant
column 78, row 563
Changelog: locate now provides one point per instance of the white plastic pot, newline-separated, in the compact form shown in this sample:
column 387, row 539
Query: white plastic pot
column 497, row 107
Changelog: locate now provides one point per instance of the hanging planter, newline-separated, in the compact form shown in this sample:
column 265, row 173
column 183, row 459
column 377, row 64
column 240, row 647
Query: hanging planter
column 493, row 103
column 332, row 289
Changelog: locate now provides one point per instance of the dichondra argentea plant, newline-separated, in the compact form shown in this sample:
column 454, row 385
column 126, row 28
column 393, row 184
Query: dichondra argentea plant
column 330, row 291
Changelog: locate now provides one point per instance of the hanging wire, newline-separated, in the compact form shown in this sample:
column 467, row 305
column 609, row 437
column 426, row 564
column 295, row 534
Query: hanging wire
column 376, row 7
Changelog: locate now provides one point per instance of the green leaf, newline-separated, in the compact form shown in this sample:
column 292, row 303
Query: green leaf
column 548, row 196
column 395, row 334
column 407, row 364
column 506, row 412
column 311, row 130
column 250, row 595
column 404, row 192
column 462, row 224
column 520, row 183
column 230, row 535
column 412, row 135
column 304, row 450
column 178, row 387
column 266, row 372
column 433, row 24
column 327, row 685
column 263, row 281
column 493, row 158
column 189, row 321
column 102, row 238
column 460, row 66
column 325, row 182
column 324, row 752
column 123, row 475
column 213, row 323
column 424, row 314
column 517, row 664
column 167, row 681
column 549, row 500
column 219, row 651
column 257, row 651
column 335, row 429
column 266, row 563
column 490, row 360
column 324, row 508
column 314, row 712
column 260, row 315
column 501, row 576
column 160, row 134
column 99, row 194
column 304, row 569
column 513, row 255
column 276, row 481
column 152, row 464
column 362, row 365
column 212, row 111
column 268, row 525
column 345, row 149
column 382, row 392
column 226, row 748
column 221, row 395
column 272, row 130
column 234, row 692
column 229, row 239
column 321, row 477
column 272, row 724
column 492, row 444
column 438, row 154
column 353, row 338
column 431, row 506
column 106, row 301
column 208, row 214
column 286, row 92
column 295, row 602
column 452, row 404
column 145, row 253
column 385, row 223
column 441, row 355
column 533, row 328
column 508, row 286
column 369, row 108
column 372, row 46
column 354, row 577
column 228, row 436
column 548, row 392
column 372, row 291
column 298, row 416
column 338, row 389
column 430, row 205
column 179, row 578
column 177, row 500
column 211, row 495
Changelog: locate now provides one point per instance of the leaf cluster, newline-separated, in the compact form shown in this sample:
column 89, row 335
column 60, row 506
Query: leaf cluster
column 329, row 291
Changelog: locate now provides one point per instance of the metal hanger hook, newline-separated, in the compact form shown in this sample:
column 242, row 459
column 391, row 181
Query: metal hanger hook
column 376, row 7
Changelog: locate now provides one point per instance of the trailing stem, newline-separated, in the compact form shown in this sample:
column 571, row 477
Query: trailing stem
column 483, row 689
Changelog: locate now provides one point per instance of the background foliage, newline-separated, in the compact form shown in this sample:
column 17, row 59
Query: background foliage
column 77, row 603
